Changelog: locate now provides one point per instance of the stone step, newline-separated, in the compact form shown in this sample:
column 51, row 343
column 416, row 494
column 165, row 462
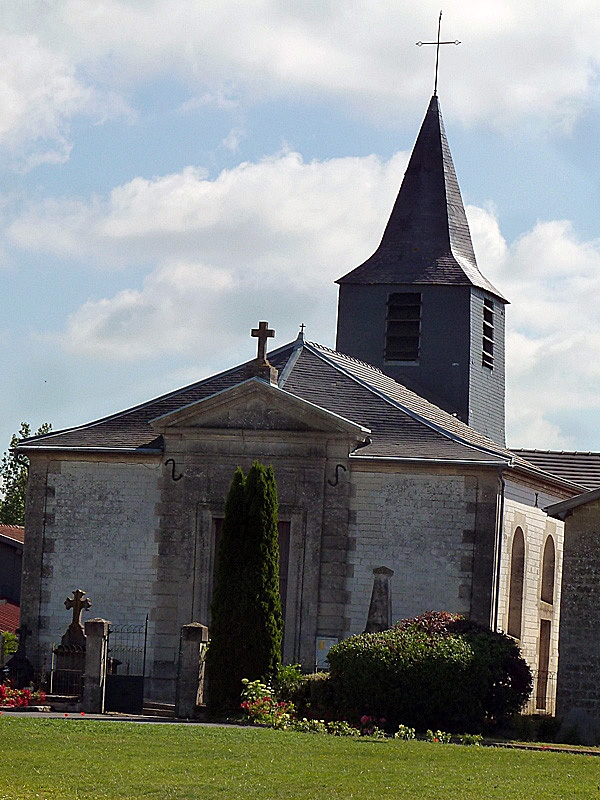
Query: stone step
column 152, row 709
column 64, row 702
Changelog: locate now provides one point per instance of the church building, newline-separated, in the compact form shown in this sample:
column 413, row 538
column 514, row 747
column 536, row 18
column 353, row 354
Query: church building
column 389, row 452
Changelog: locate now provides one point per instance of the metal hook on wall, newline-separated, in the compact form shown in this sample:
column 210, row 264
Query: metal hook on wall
column 173, row 476
column 338, row 467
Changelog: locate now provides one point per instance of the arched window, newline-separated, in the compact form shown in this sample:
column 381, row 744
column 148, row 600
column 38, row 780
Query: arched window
column 517, row 572
column 548, row 563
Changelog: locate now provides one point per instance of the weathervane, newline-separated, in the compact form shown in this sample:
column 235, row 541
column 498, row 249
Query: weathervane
column 437, row 51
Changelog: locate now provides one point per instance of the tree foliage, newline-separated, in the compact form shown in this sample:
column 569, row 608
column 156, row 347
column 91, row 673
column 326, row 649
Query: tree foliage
column 13, row 477
column 438, row 670
column 246, row 619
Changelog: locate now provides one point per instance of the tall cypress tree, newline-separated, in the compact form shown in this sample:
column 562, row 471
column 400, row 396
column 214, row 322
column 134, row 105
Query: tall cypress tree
column 247, row 624
column 264, row 620
column 223, row 668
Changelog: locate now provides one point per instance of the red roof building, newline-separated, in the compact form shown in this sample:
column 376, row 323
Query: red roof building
column 9, row 615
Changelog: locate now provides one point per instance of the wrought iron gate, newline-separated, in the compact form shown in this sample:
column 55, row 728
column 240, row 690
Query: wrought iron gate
column 126, row 668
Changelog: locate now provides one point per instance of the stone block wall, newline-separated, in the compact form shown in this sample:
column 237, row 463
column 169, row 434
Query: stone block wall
column 318, row 517
column 434, row 529
column 578, row 700
column 95, row 530
column 536, row 527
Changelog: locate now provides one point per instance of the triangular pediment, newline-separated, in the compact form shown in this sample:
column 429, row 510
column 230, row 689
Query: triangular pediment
column 257, row 405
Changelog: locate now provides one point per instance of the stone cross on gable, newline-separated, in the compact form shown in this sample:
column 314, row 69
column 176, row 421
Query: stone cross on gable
column 79, row 602
column 262, row 333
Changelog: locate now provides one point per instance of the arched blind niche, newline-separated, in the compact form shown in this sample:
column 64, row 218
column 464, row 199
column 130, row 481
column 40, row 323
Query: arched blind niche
column 517, row 573
column 548, row 568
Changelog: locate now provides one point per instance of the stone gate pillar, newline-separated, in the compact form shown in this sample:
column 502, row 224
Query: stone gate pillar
column 190, row 670
column 96, row 662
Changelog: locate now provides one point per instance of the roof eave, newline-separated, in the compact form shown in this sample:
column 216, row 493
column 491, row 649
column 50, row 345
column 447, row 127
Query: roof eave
column 65, row 448
column 548, row 477
column 441, row 461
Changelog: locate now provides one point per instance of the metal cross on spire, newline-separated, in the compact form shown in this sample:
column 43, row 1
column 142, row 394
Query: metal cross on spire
column 437, row 51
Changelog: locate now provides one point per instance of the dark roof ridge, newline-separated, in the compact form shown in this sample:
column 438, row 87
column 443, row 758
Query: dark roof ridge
column 348, row 358
column 494, row 449
column 556, row 452
column 146, row 404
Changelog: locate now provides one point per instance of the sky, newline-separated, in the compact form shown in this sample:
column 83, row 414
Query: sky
column 173, row 171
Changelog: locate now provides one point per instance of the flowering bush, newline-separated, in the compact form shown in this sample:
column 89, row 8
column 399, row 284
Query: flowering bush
column 342, row 728
column 438, row 736
column 404, row 732
column 471, row 739
column 19, row 698
column 370, row 726
column 262, row 708
column 305, row 725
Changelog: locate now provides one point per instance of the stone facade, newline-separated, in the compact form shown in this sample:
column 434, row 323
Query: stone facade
column 92, row 524
column 526, row 611
column 578, row 696
column 424, row 526
column 139, row 535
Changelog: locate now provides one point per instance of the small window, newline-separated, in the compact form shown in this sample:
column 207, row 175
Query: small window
column 487, row 356
column 548, row 562
column 517, row 576
column 403, row 329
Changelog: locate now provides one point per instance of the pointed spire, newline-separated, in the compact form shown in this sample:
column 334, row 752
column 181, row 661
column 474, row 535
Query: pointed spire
column 427, row 238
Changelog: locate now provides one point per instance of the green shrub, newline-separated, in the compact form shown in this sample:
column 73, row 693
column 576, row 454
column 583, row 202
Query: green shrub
column 435, row 671
column 314, row 696
column 440, row 737
column 11, row 643
column 288, row 680
column 342, row 728
column 305, row 725
column 405, row 732
column 471, row 739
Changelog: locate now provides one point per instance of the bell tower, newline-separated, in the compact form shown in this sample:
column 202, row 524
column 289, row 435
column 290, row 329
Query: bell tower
column 419, row 308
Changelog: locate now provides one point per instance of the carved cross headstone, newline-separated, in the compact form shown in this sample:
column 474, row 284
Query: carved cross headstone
column 75, row 634
column 78, row 604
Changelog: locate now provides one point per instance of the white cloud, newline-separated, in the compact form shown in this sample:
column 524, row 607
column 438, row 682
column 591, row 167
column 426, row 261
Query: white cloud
column 39, row 95
column 267, row 240
column 233, row 139
column 553, row 325
column 162, row 317
column 263, row 238
column 514, row 62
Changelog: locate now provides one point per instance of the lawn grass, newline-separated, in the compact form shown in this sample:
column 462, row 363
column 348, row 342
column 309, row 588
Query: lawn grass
column 57, row 759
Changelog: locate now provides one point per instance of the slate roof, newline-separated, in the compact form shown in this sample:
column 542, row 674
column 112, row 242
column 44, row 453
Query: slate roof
column 427, row 238
column 578, row 467
column 563, row 509
column 402, row 424
column 9, row 616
